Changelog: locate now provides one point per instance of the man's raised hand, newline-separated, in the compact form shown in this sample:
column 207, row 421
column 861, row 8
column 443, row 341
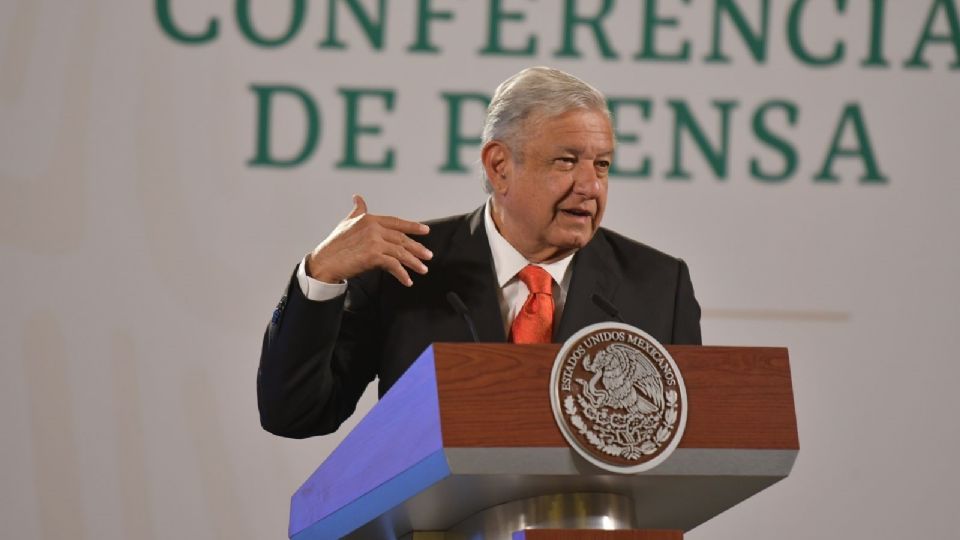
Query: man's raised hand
column 364, row 241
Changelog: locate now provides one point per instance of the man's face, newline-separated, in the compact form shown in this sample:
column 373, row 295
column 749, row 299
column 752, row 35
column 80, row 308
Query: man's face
column 549, row 199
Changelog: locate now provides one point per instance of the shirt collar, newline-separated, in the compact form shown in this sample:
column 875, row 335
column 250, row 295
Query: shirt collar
column 507, row 261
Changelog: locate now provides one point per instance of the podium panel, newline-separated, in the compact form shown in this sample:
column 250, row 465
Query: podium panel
column 469, row 427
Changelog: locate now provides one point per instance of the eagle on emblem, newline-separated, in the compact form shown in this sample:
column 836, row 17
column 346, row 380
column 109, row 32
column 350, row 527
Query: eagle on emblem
column 630, row 381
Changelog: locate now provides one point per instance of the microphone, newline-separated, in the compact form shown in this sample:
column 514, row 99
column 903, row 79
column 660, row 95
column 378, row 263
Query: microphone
column 457, row 304
column 607, row 307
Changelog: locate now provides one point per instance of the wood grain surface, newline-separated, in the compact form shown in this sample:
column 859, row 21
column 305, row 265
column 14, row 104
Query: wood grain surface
column 497, row 395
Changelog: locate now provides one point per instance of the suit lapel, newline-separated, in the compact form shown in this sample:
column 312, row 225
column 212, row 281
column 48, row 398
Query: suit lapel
column 593, row 273
column 470, row 265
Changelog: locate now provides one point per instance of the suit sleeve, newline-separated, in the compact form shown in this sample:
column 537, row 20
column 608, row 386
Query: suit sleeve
column 686, row 313
column 316, row 360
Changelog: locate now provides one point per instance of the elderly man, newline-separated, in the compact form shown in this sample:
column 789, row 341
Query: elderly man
column 531, row 265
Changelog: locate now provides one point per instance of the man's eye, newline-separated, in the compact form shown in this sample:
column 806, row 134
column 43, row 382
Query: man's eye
column 566, row 161
column 602, row 164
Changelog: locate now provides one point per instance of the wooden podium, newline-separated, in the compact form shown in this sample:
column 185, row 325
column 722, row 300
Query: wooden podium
column 465, row 446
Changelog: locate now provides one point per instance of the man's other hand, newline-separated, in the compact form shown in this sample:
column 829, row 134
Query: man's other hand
column 364, row 241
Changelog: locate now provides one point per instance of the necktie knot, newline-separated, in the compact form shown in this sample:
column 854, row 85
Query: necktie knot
column 537, row 280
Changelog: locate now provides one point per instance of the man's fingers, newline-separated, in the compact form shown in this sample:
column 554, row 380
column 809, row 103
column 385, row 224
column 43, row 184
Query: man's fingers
column 383, row 243
column 392, row 265
column 416, row 248
column 399, row 253
column 402, row 225
column 409, row 260
column 359, row 207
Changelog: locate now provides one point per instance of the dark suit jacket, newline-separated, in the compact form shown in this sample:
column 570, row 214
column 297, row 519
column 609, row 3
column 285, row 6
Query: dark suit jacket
column 318, row 357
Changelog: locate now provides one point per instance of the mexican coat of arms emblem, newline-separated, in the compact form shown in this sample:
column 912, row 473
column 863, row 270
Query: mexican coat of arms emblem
column 618, row 397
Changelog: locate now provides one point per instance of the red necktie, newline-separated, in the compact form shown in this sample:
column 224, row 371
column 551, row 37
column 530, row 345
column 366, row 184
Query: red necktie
column 534, row 323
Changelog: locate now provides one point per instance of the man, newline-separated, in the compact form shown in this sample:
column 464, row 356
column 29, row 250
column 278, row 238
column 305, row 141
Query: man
column 532, row 265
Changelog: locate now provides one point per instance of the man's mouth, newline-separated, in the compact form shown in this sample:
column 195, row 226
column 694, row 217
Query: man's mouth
column 576, row 212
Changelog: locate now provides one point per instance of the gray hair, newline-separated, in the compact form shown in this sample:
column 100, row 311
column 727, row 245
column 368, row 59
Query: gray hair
column 537, row 91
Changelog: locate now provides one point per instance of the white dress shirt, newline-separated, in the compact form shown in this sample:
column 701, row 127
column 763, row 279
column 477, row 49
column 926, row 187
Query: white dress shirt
column 507, row 263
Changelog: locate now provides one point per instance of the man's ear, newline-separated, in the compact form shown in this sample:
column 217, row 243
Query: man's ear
column 498, row 164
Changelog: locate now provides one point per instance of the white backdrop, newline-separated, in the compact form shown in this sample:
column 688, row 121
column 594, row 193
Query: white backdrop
column 142, row 256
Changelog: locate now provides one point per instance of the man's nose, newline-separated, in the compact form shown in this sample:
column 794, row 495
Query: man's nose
column 586, row 181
